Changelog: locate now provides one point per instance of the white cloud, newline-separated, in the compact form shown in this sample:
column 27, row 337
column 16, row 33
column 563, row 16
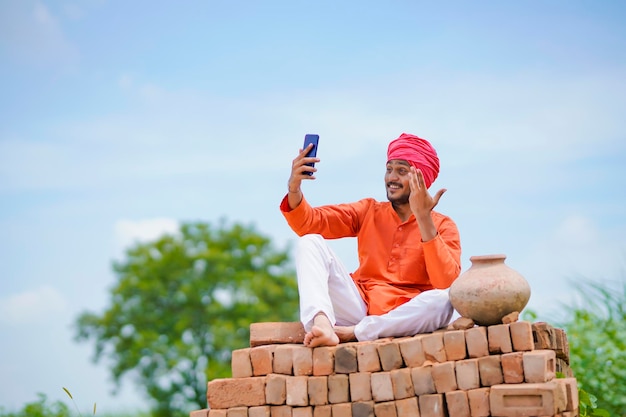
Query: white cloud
column 128, row 232
column 32, row 306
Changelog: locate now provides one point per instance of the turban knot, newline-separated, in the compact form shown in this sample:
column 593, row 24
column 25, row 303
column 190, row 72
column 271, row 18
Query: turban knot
column 418, row 152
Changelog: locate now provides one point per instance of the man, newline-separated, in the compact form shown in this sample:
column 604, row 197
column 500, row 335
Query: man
column 409, row 255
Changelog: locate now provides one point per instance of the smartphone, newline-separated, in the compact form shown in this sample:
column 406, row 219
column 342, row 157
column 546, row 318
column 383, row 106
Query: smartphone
column 308, row 139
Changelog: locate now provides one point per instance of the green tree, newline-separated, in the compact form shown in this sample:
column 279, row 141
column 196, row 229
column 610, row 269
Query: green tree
column 183, row 303
column 40, row 408
column 596, row 332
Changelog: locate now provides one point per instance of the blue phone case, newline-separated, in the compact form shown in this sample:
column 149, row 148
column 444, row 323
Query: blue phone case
column 314, row 139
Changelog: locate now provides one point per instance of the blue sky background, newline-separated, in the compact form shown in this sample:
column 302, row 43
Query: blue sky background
column 118, row 120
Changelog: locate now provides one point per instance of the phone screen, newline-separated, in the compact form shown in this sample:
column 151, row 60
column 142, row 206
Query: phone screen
column 314, row 139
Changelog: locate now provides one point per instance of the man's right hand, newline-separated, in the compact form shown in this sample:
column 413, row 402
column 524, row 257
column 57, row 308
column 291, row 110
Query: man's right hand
column 299, row 172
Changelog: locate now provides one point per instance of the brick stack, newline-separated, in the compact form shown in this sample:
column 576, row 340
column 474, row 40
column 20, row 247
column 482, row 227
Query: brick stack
column 506, row 370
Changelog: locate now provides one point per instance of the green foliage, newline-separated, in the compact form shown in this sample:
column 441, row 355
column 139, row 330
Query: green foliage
column 183, row 303
column 596, row 332
column 40, row 408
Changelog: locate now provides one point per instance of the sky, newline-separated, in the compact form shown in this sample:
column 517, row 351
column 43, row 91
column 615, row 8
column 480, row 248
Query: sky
column 120, row 120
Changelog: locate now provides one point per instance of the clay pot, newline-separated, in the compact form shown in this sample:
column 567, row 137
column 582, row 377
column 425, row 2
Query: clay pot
column 489, row 290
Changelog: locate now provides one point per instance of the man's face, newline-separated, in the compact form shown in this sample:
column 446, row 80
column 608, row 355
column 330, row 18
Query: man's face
column 397, row 181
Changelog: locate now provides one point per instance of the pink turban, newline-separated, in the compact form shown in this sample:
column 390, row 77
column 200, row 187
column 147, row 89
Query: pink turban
column 417, row 152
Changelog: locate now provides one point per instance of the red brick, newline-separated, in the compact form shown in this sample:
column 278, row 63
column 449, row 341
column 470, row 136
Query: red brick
column 318, row 390
column 458, row 405
column 433, row 347
column 345, row 359
column 237, row 412
column 463, row 323
column 275, row 389
column 324, row 360
column 200, row 413
column 283, row 360
column 510, row 318
column 467, row 375
column 342, row 410
column 476, row 341
column 562, row 345
column 454, row 344
column 513, row 400
column 386, row 409
column 297, row 390
column 367, row 357
column 302, row 360
column 512, row 367
column 363, row 408
column 499, row 339
column 407, row 407
column 423, row 380
column 280, row 411
column 322, row 411
column 260, row 411
column 490, row 370
column 402, row 383
column 271, row 333
column 338, row 389
column 432, row 405
column 217, row 413
column 360, row 386
column 390, row 357
column 543, row 336
column 539, row 366
column 571, row 391
column 444, row 377
column 412, row 351
column 261, row 358
column 479, row 402
column 522, row 336
column 382, row 388
column 240, row 364
column 236, row 392
column 302, row 412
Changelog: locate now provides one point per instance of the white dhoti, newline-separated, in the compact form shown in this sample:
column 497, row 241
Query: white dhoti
column 326, row 287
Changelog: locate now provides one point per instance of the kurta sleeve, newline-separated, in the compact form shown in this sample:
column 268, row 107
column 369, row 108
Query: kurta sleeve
column 442, row 254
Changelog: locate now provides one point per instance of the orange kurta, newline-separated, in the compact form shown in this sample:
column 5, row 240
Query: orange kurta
column 394, row 264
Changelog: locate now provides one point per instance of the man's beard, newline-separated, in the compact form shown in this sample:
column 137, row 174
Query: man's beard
column 398, row 200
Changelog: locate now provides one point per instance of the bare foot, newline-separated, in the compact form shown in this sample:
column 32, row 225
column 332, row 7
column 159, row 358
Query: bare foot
column 321, row 334
column 345, row 333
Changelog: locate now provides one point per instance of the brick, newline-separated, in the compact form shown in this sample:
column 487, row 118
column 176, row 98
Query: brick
column 338, row 391
column 467, row 375
column 423, row 380
column 522, row 336
column 490, row 370
column 367, row 357
column 562, row 345
column 476, row 341
column 342, row 410
column 463, row 323
column 283, row 360
column 302, row 360
column 407, row 407
column 402, row 383
column 240, row 364
column 512, row 367
column 217, row 413
column 535, row 399
column 543, row 336
column 563, row 368
column 571, row 391
column 499, row 339
column 390, row 357
column 432, row 405
column 433, row 347
column 363, row 409
column 382, row 388
column 478, row 400
column 322, row 411
column 237, row 412
column 280, row 411
column 318, row 390
column 539, row 365
column 412, row 351
column 302, row 412
column 444, row 377
column 510, row 318
column 271, row 333
column 324, row 360
column 386, row 409
column 360, row 386
column 345, row 359
column 260, row 411
column 275, row 389
column 297, row 390
column 457, row 403
column 236, row 392
column 261, row 358
column 454, row 344
column 200, row 413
